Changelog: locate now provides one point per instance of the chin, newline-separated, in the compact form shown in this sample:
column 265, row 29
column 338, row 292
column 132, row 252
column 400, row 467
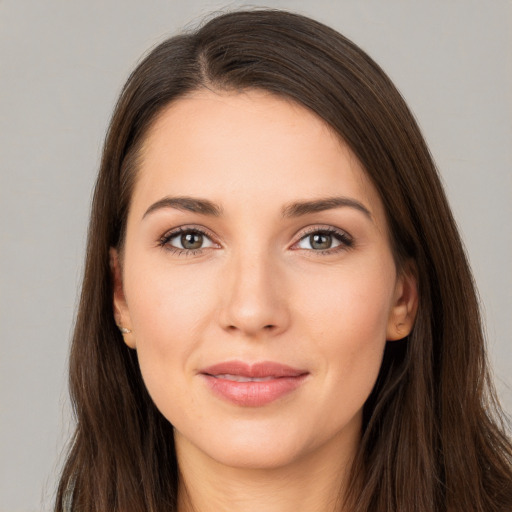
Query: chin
column 249, row 454
column 265, row 445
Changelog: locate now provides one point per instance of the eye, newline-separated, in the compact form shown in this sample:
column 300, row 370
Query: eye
column 325, row 240
column 183, row 240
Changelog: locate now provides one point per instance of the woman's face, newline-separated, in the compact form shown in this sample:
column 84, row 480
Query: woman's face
column 257, row 279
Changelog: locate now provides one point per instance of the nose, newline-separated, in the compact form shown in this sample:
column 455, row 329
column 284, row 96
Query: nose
column 253, row 300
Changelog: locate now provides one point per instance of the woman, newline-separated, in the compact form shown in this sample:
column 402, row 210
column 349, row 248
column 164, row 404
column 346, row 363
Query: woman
column 277, row 312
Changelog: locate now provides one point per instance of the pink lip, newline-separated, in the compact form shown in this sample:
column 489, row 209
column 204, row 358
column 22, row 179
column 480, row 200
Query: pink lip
column 279, row 381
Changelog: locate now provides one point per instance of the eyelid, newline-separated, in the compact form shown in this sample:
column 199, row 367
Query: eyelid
column 346, row 239
column 171, row 233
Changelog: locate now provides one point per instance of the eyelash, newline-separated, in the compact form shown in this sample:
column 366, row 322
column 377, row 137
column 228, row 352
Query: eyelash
column 165, row 239
column 344, row 239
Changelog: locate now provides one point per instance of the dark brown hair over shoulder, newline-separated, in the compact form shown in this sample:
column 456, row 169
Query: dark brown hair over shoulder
column 433, row 437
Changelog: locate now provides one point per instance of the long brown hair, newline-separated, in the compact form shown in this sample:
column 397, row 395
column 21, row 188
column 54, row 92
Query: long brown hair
column 433, row 437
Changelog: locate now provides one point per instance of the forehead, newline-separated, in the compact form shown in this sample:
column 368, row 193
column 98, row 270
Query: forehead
column 241, row 146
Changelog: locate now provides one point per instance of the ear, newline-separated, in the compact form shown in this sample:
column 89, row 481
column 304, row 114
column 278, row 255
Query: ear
column 121, row 312
column 405, row 305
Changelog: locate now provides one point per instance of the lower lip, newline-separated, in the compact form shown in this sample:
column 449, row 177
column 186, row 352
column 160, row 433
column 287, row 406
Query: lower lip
column 253, row 394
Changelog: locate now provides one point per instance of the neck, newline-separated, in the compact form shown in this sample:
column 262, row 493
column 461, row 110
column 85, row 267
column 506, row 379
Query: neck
column 316, row 482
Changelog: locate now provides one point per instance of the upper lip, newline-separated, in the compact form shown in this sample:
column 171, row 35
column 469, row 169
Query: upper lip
column 254, row 370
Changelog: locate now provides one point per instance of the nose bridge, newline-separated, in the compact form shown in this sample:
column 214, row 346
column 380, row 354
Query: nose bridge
column 254, row 300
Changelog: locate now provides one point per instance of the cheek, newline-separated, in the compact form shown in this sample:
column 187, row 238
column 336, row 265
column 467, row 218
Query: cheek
column 346, row 317
column 167, row 302
column 355, row 301
column 168, row 311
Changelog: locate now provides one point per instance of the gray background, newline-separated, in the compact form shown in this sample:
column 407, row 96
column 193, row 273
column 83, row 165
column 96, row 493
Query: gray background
column 62, row 64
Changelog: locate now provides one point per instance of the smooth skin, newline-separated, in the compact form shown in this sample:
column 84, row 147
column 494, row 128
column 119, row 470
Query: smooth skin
column 233, row 253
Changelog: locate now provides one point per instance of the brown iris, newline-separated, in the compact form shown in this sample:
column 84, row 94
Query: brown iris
column 191, row 240
column 320, row 241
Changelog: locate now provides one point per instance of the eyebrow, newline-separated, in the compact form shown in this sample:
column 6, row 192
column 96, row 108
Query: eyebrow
column 188, row 204
column 295, row 209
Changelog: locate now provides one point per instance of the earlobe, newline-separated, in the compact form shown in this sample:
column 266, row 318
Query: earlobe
column 403, row 312
column 121, row 312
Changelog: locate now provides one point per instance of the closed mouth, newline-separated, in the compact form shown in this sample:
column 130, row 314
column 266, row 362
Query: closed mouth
column 252, row 385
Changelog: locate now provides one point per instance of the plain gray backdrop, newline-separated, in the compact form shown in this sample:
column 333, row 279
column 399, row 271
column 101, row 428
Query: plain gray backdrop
column 62, row 64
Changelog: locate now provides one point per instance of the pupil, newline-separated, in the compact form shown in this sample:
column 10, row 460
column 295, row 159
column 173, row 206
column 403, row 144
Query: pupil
column 192, row 240
column 320, row 241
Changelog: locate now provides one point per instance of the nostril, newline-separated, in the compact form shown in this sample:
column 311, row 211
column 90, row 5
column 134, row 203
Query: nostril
column 268, row 327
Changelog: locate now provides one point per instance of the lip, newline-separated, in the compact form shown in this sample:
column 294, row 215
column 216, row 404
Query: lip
column 232, row 381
